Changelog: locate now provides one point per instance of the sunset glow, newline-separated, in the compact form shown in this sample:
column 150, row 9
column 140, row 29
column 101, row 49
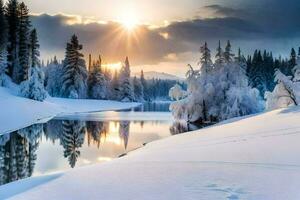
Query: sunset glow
column 113, row 66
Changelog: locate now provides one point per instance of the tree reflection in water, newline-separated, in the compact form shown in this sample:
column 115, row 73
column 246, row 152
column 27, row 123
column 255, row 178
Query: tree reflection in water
column 18, row 153
column 18, row 150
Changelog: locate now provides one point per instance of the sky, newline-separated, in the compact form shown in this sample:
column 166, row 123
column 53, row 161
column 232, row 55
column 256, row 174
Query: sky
column 165, row 35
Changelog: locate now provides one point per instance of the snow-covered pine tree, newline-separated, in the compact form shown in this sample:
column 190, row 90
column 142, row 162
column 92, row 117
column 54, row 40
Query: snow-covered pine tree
column 24, row 34
column 12, row 16
column 219, row 54
column 74, row 72
column 292, row 62
column 33, row 88
column 138, row 90
column 241, row 60
column 257, row 73
column 72, row 139
column 217, row 94
column 228, row 55
column 97, row 84
column 177, row 93
column 126, row 90
column 53, row 81
column 205, row 59
column 283, row 94
column 3, row 43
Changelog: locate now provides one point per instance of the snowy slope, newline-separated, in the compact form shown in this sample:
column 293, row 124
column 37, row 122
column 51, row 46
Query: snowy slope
column 17, row 112
column 254, row 158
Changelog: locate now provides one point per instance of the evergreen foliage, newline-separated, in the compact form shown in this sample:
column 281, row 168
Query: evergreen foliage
column 74, row 73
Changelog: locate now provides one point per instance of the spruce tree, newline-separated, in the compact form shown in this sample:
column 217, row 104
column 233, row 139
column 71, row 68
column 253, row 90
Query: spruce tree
column 97, row 84
column 292, row 62
column 24, row 42
column 74, row 71
column 228, row 55
column 205, row 59
column 33, row 88
column 126, row 89
column 219, row 54
column 34, row 50
column 12, row 17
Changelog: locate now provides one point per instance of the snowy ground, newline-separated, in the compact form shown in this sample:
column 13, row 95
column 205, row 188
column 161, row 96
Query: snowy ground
column 254, row 158
column 17, row 112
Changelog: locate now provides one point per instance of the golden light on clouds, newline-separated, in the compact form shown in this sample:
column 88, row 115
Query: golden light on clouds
column 164, row 35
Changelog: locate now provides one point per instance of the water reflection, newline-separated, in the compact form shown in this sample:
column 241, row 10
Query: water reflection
column 62, row 144
column 18, row 153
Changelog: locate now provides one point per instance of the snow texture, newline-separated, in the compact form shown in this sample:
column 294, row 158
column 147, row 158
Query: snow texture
column 247, row 158
column 17, row 112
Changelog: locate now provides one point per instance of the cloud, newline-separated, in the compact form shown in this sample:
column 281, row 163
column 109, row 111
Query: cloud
column 251, row 25
column 110, row 39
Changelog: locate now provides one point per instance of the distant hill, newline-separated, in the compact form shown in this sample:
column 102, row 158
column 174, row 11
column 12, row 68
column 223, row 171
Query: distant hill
column 159, row 75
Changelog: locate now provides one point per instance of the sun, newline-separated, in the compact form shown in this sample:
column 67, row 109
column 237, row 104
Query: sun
column 129, row 20
column 129, row 24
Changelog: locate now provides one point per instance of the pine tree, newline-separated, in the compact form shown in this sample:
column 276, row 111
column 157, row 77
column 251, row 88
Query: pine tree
column 12, row 16
column 205, row 59
column 74, row 71
column 228, row 55
column 241, row 60
column 126, row 89
column 24, row 34
column 97, row 84
column 219, row 54
column 34, row 50
column 292, row 62
column 33, row 88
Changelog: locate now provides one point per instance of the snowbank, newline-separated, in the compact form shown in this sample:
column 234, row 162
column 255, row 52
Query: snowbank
column 250, row 158
column 17, row 112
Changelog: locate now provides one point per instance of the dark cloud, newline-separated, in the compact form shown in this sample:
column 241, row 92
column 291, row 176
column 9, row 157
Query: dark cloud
column 256, row 24
column 110, row 39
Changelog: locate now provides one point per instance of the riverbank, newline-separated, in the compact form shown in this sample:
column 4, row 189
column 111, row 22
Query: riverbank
column 17, row 112
column 246, row 158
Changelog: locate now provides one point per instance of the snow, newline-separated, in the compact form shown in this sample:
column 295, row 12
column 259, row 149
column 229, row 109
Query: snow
column 17, row 112
column 255, row 157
